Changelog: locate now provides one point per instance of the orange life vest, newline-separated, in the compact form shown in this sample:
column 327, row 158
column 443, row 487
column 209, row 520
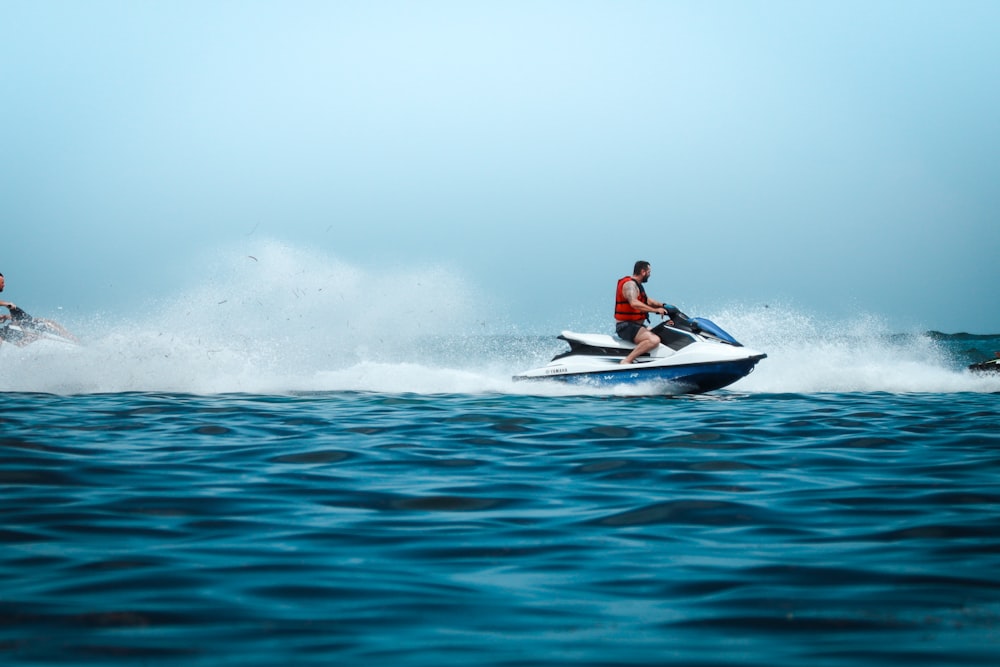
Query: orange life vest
column 624, row 312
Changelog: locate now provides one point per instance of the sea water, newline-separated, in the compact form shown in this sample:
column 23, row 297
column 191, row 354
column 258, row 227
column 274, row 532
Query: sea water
column 272, row 484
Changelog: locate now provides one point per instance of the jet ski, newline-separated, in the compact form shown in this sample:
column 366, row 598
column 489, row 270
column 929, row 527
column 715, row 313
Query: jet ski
column 988, row 366
column 695, row 355
column 23, row 329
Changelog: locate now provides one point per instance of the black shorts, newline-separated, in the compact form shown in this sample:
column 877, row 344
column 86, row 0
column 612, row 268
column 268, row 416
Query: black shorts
column 628, row 330
column 19, row 317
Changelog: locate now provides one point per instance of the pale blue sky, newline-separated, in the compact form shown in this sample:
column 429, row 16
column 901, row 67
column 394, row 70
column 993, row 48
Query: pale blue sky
column 839, row 156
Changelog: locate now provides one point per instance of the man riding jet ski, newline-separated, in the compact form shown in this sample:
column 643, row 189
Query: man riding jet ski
column 680, row 355
column 632, row 309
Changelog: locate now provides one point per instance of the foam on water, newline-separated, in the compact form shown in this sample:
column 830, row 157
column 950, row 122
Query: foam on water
column 810, row 354
column 275, row 319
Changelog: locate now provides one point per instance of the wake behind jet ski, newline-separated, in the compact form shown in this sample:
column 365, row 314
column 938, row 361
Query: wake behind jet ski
column 694, row 356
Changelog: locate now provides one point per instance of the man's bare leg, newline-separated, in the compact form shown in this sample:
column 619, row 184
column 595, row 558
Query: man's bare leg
column 645, row 341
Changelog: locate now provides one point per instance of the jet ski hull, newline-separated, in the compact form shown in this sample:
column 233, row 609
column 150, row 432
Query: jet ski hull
column 691, row 360
column 686, row 379
column 676, row 379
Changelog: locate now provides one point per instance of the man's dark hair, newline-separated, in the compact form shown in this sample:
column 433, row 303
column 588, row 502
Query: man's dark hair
column 640, row 266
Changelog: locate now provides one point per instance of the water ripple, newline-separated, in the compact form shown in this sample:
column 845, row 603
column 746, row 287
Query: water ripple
column 357, row 528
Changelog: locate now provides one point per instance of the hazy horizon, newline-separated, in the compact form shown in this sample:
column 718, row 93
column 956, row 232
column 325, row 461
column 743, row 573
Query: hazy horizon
column 840, row 157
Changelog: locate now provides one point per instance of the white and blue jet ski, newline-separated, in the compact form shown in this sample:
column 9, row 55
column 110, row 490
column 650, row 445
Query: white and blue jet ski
column 694, row 356
column 23, row 329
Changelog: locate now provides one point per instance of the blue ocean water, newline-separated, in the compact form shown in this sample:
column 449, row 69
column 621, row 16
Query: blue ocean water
column 232, row 494
column 491, row 529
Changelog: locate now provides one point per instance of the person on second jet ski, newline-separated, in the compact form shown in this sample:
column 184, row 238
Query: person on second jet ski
column 28, row 329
